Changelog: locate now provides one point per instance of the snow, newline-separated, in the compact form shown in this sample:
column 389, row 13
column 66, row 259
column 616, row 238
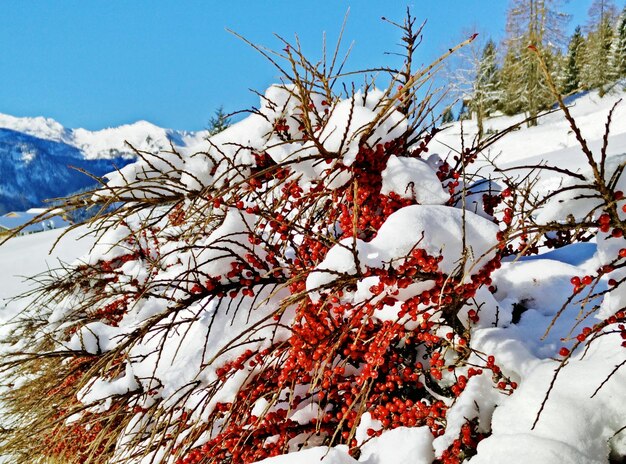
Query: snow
column 28, row 256
column 413, row 178
column 105, row 143
column 349, row 120
column 439, row 230
column 399, row 446
column 552, row 140
column 575, row 426
column 317, row 455
column 45, row 128
column 403, row 445
column 101, row 388
column 581, row 416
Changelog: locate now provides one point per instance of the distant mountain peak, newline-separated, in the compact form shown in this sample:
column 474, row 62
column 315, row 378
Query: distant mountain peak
column 35, row 154
column 105, row 143
column 41, row 127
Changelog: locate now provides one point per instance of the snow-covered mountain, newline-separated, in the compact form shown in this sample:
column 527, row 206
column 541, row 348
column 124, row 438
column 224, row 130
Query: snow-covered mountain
column 36, row 155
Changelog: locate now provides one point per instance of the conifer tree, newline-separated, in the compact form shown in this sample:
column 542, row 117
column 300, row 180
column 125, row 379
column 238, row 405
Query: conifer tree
column 596, row 67
column 511, row 103
column 539, row 24
column 618, row 49
column 475, row 80
column 447, row 116
column 573, row 62
column 489, row 77
column 218, row 122
column 558, row 67
column 486, row 92
column 464, row 112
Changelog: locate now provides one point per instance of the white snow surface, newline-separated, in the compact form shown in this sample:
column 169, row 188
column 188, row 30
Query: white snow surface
column 552, row 139
column 439, row 230
column 413, row 178
column 27, row 256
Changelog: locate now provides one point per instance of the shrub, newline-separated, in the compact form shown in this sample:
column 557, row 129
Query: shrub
column 312, row 278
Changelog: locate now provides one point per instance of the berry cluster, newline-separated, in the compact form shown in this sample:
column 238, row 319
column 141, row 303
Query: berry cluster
column 341, row 358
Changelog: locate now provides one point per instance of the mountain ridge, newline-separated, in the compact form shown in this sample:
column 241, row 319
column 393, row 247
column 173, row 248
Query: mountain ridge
column 37, row 155
column 102, row 143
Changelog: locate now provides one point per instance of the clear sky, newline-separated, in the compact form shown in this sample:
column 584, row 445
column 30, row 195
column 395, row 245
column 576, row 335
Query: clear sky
column 102, row 63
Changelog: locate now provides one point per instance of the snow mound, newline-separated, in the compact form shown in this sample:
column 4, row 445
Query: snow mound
column 413, row 178
column 439, row 230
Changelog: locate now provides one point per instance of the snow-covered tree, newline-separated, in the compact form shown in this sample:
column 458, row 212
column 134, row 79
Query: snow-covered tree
column 539, row 24
column 618, row 48
column 597, row 70
column 487, row 93
column 476, row 81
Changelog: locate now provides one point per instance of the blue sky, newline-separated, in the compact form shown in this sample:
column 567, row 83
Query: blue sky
column 98, row 64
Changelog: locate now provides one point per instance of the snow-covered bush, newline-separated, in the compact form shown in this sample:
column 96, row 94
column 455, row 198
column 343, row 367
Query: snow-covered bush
column 310, row 277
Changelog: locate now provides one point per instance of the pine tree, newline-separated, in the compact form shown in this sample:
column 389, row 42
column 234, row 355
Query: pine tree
column 558, row 68
column 536, row 23
column 573, row 63
column 596, row 67
column 447, row 116
column 618, row 48
column 486, row 92
column 511, row 103
column 464, row 112
column 476, row 81
column 218, row 122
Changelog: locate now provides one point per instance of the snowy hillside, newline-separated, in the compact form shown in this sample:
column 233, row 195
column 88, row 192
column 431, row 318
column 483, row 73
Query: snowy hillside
column 328, row 287
column 28, row 256
column 552, row 139
column 35, row 155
